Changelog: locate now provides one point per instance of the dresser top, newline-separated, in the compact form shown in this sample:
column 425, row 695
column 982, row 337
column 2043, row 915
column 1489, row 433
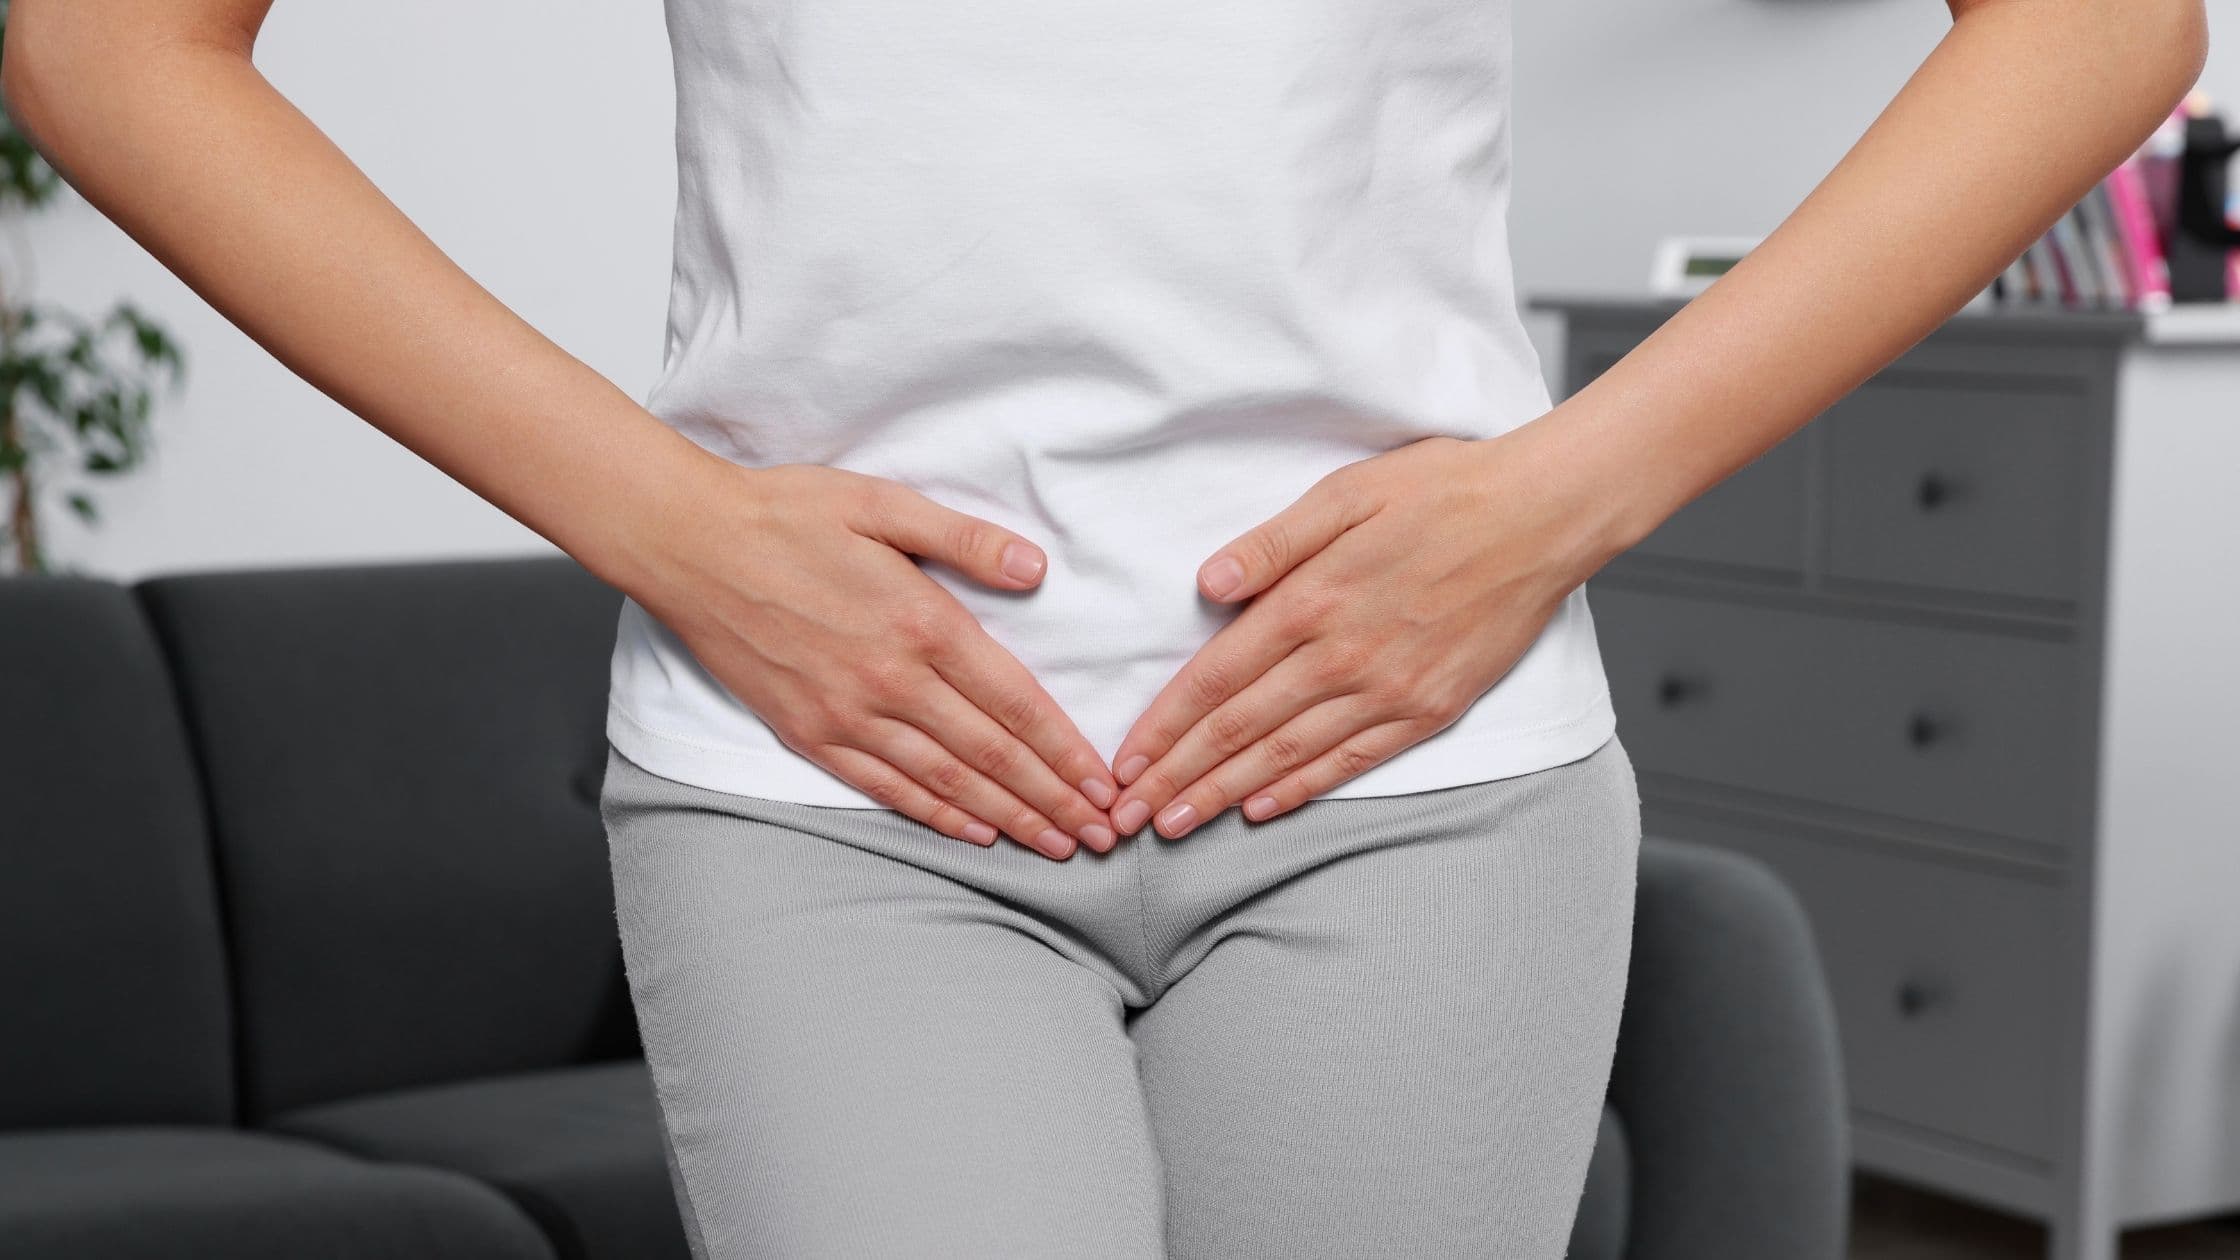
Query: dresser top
column 2205, row 325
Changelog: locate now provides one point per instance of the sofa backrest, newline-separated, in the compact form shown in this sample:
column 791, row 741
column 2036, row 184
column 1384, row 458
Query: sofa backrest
column 403, row 764
column 112, row 969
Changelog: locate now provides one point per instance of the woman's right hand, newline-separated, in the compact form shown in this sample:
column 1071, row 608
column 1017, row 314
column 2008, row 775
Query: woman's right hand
column 791, row 584
column 794, row 586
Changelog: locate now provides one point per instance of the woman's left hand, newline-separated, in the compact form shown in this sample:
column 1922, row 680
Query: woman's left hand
column 1385, row 601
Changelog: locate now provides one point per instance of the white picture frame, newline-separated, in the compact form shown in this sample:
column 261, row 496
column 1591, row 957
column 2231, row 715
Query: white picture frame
column 1687, row 265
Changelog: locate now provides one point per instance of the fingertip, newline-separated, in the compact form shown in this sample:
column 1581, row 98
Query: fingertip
column 1261, row 808
column 1023, row 562
column 1135, row 764
column 1129, row 818
column 1176, row 820
column 1221, row 578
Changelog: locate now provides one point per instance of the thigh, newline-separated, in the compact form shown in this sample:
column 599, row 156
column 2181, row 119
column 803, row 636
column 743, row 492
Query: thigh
column 1403, row 1050
column 858, row 1057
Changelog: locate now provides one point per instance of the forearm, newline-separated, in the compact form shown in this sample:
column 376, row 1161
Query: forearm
column 175, row 135
column 2017, row 112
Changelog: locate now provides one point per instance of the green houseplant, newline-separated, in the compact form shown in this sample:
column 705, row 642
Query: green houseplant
column 75, row 392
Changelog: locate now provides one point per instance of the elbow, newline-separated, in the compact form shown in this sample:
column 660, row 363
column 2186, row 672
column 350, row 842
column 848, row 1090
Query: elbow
column 17, row 94
column 70, row 69
column 2151, row 52
column 2193, row 40
column 30, row 71
column 2162, row 44
column 2173, row 41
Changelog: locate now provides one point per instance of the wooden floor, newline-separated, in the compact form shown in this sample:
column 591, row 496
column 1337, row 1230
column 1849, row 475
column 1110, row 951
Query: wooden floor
column 1892, row 1222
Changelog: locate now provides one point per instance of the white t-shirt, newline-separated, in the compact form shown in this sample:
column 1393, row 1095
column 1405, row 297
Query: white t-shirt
column 1125, row 276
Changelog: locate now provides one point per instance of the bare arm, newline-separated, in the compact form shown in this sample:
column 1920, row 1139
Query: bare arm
column 1401, row 588
column 2012, row 118
column 154, row 110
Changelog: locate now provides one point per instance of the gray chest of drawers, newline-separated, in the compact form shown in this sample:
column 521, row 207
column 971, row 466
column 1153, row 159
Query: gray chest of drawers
column 1959, row 660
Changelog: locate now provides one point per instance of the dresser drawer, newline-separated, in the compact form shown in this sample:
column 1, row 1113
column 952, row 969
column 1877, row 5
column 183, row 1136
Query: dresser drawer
column 1975, row 490
column 1944, row 980
column 1967, row 729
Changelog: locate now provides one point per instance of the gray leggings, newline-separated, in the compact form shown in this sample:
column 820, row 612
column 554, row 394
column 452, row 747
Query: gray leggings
column 1374, row 1027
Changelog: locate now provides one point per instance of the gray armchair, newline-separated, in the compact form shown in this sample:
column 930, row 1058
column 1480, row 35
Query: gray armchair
column 1724, row 1138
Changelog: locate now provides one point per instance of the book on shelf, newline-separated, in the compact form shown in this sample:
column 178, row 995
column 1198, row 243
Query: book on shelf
column 2108, row 250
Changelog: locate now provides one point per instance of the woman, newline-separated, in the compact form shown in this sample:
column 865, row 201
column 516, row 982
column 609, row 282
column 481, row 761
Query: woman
column 1180, row 340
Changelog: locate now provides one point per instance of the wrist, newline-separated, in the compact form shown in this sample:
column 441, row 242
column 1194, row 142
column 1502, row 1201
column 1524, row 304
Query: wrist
column 1546, row 472
column 631, row 528
column 1603, row 479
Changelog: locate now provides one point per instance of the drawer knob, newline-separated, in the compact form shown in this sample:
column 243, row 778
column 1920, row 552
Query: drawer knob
column 1923, row 730
column 1933, row 492
column 1917, row 997
column 1674, row 690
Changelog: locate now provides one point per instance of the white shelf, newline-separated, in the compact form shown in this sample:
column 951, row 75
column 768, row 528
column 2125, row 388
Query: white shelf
column 2203, row 324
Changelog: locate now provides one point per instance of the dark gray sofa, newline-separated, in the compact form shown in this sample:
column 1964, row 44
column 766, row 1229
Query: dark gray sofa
column 307, row 948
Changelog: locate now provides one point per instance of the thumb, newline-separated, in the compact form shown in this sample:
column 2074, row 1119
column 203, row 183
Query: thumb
column 1259, row 556
column 982, row 550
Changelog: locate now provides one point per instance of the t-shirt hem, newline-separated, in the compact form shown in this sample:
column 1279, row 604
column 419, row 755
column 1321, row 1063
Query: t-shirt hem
column 1429, row 766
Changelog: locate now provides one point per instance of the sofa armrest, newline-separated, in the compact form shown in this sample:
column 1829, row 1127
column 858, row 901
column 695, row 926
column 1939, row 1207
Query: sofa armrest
column 1728, row 1073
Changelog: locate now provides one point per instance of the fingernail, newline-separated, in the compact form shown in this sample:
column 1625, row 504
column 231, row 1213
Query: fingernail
column 1177, row 818
column 1259, row 807
column 1223, row 576
column 1020, row 563
column 1098, row 791
column 1128, row 819
column 1129, row 769
column 1055, row 843
column 979, row 833
column 1098, row 836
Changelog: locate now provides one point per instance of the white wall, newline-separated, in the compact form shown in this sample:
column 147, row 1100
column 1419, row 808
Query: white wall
column 532, row 140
